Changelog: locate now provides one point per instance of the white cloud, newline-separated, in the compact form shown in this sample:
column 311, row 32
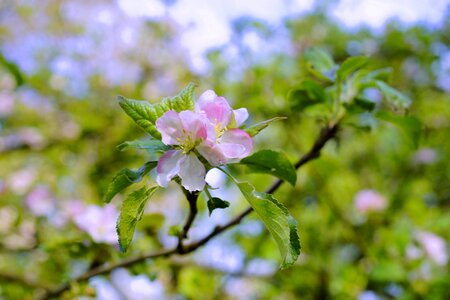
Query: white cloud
column 375, row 13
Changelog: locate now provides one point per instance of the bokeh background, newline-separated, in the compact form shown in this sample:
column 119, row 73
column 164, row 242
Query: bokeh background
column 373, row 211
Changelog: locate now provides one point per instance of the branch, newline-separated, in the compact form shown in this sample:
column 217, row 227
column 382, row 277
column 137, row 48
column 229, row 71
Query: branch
column 326, row 134
column 192, row 199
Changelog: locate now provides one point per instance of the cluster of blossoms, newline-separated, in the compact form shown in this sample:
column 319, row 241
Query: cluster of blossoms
column 210, row 133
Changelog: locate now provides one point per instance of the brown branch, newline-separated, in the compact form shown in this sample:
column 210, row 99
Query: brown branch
column 192, row 199
column 326, row 134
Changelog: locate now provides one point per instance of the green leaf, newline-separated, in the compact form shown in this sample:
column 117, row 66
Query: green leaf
column 130, row 214
column 307, row 94
column 253, row 130
column 393, row 96
column 281, row 225
column 271, row 162
column 174, row 230
column 380, row 74
column 215, row 202
column 410, row 126
column 365, row 103
column 320, row 64
column 349, row 66
column 146, row 114
column 13, row 69
column 152, row 145
column 127, row 177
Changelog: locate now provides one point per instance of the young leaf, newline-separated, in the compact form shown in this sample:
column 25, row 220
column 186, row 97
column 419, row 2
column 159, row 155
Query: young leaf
column 146, row 114
column 152, row 145
column 308, row 93
column 127, row 177
column 215, row 202
column 256, row 128
column 350, row 65
column 281, row 225
column 130, row 214
column 174, row 230
column 410, row 126
column 320, row 64
column 393, row 96
column 320, row 59
column 271, row 162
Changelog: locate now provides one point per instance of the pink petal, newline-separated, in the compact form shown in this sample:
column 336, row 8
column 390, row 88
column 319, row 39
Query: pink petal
column 235, row 144
column 240, row 115
column 216, row 109
column 170, row 127
column 206, row 97
column 168, row 166
column 194, row 125
column 212, row 153
column 192, row 173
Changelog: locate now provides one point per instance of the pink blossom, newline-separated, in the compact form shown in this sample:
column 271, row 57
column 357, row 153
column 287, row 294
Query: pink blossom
column 99, row 222
column 185, row 130
column 369, row 201
column 434, row 246
column 229, row 144
column 210, row 130
column 21, row 180
column 40, row 201
column 425, row 156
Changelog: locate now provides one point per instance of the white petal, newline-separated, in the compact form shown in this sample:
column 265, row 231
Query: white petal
column 235, row 144
column 170, row 127
column 240, row 115
column 212, row 153
column 192, row 173
column 168, row 166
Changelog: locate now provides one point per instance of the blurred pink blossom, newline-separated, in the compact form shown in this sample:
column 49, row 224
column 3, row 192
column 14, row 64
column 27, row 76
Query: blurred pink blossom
column 99, row 222
column 40, row 201
column 21, row 180
column 425, row 156
column 434, row 246
column 8, row 216
column 31, row 137
column 6, row 103
column 367, row 201
column 67, row 212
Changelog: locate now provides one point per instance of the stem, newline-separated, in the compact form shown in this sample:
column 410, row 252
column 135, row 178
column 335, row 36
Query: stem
column 326, row 134
column 192, row 199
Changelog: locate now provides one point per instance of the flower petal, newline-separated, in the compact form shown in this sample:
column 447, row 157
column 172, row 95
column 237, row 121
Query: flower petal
column 206, row 97
column 192, row 173
column 212, row 153
column 235, row 144
column 168, row 166
column 170, row 127
column 216, row 109
column 240, row 115
column 196, row 126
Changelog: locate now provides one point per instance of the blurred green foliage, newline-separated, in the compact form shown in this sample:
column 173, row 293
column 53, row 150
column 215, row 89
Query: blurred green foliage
column 67, row 143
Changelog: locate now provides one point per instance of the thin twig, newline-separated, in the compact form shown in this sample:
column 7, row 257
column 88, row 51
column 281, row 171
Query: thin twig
column 192, row 199
column 326, row 134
